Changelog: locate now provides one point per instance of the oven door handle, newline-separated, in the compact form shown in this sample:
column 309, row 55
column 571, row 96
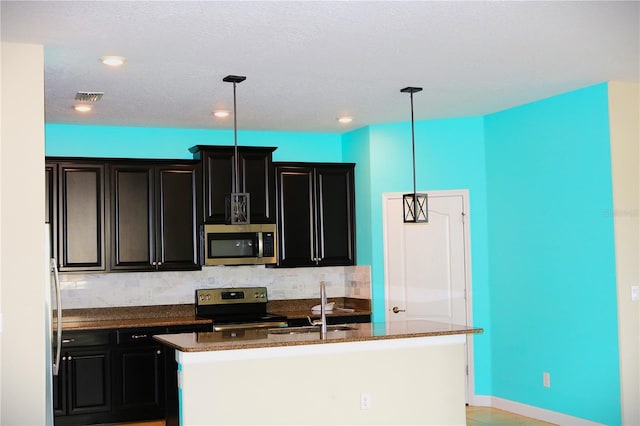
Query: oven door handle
column 267, row 324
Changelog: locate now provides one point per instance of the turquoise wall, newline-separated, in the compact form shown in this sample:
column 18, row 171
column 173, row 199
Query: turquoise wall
column 449, row 155
column 356, row 150
column 153, row 142
column 551, row 256
column 541, row 232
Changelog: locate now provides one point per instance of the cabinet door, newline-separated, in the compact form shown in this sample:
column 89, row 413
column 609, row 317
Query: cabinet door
column 81, row 202
column 176, row 235
column 132, row 217
column 218, row 168
column 60, row 390
column 296, row 222
column 256, row 170
column 51, row 205
column 140, row 382
column 89, row 376
column 255, row 176
column 335, row 214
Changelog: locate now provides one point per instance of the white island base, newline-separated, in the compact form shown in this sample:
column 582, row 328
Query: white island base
column 406, row 381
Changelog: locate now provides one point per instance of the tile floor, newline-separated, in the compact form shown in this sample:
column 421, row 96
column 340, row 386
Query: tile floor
column 485, row 416
column 476, row 416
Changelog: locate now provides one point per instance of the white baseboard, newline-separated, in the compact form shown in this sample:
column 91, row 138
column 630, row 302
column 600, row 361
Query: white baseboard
column 529, row 411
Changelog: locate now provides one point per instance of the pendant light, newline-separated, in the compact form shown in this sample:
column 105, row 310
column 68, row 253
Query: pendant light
column 236, row 203
column 414, row 205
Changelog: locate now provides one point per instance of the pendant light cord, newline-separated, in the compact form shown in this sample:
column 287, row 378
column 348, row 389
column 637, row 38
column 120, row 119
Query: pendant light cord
column 413, row 150
column 235, row 141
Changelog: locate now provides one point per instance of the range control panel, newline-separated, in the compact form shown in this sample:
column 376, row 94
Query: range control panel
column 222, row 296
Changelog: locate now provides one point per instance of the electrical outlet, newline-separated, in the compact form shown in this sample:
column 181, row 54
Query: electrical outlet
column 635, row 293
column 365, row 401
column 546, row 380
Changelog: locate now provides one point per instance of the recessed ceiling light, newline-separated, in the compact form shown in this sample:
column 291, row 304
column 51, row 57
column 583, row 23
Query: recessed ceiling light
column 221, row 114
column 83, row 107
column 113, row 61
column 345, row 120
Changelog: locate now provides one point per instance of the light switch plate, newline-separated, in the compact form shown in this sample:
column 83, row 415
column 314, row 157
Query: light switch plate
column 635, row 293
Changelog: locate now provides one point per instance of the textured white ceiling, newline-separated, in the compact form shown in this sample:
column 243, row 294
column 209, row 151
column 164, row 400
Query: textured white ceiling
column 309, row 62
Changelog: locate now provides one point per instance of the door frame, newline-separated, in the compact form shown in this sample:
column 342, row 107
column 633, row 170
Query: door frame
column 464, row 193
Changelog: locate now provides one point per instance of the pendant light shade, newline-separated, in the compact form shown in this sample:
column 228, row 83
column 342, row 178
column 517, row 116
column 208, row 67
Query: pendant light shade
column 414, row 208
column 237, row 203
column 414, row 205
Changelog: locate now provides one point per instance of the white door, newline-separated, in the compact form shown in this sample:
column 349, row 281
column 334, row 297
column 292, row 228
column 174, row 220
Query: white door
column 426, row 264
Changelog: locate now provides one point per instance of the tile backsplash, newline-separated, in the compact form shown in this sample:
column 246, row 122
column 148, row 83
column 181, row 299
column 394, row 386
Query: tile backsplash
column 168, row 288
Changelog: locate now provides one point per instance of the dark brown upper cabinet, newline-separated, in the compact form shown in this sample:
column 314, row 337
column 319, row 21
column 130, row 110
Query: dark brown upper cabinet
column 255, row 175
column 316, row 214
column 51, row 206
column 75, row 208
column 153, row 216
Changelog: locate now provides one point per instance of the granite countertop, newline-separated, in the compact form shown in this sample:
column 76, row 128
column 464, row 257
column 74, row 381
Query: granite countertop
column 262, row 338
column 130, row 317
column 301, row 308
column 184, row 314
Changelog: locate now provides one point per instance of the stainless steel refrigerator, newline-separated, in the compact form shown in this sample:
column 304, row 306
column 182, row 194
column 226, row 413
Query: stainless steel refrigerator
column 53, row 304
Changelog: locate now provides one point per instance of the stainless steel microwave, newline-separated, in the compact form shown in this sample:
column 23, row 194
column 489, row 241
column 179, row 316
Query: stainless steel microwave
column 251, row 244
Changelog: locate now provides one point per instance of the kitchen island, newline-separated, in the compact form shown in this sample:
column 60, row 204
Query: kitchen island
column 405, row 372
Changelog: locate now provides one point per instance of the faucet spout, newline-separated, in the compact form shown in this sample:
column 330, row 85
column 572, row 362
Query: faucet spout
column 322, row 322
column 323, row 313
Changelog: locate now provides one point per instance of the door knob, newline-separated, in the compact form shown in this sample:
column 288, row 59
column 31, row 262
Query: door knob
column 396, row 310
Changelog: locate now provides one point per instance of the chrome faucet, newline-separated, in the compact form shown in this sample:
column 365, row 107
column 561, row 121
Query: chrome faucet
column 323, row 309
column 323, row 314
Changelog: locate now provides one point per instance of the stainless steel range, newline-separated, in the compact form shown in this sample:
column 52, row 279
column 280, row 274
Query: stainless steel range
column 236, row 308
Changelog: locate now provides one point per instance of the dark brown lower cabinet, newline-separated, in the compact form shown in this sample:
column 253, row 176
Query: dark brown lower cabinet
column 348, row 319
column 172, row 417
column 82, row 390
column 139, row 390
column 117, row 376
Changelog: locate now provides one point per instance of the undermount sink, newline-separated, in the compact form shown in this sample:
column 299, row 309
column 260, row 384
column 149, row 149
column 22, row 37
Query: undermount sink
column 310, row 329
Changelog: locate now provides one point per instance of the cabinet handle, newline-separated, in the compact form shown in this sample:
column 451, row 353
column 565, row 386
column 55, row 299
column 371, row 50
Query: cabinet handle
column 158, row 352
column 69, row 358
column 68, row 340
column 139, row 336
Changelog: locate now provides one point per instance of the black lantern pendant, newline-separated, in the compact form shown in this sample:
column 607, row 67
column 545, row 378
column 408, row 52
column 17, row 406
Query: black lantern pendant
column 236, row 203
column 414, row 205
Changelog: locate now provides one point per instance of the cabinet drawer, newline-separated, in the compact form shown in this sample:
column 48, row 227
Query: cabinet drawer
column 95, row 338
column 139, row 335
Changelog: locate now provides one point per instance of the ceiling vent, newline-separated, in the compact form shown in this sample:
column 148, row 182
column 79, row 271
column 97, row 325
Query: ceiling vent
column 89, row 96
